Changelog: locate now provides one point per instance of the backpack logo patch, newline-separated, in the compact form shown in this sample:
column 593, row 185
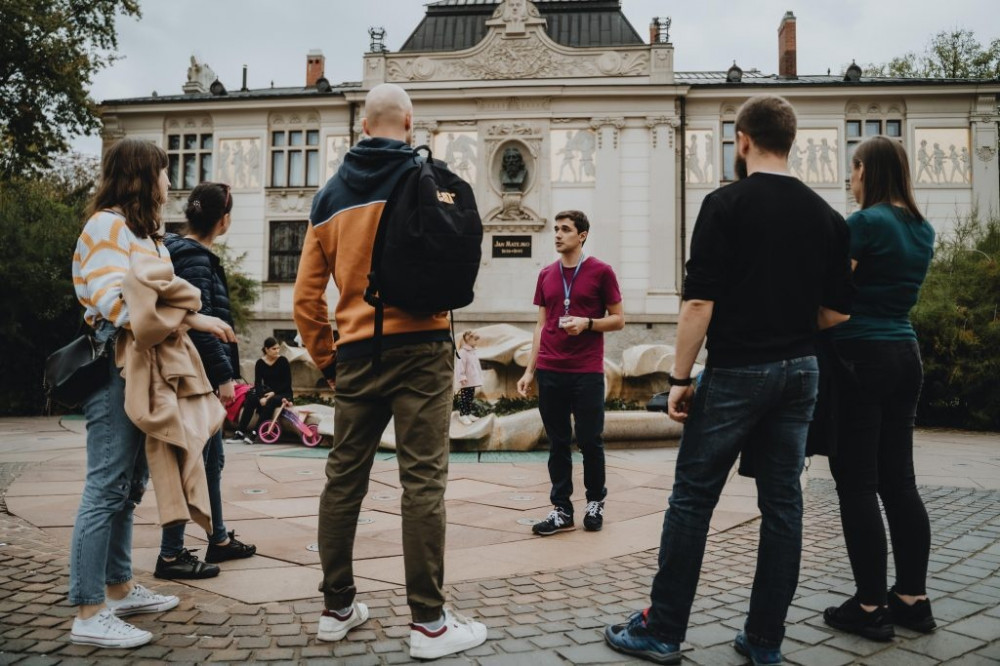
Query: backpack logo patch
column 446, row 197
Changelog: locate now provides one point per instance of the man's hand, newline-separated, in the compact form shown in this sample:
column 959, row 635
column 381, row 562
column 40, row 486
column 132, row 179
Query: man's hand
column 576, row 325
column 679, row 402
column 524, row 383
column 227, row 392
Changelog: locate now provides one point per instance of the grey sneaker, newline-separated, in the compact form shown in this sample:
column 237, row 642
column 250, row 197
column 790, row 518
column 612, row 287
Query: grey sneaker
column 593, row 516
column 106, row 630
column 141, row 600
column 557, row 521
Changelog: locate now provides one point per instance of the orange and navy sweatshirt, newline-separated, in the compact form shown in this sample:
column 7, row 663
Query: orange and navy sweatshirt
column 342, row 226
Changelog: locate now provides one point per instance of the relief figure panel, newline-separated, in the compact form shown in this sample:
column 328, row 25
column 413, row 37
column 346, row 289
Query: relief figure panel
column 941, row 156
column 239, row 163
column 573, row 156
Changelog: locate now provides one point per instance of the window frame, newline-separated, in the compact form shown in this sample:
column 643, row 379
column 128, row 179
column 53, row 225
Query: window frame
column 204, row 166
column 297, row 160
column 727, row 167
column 862, row 122
column 272, row 275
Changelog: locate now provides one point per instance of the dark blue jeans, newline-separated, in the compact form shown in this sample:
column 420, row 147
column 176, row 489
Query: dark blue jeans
column 775, row 401
column 878, row 405
column 580, row 394
column 172, row 539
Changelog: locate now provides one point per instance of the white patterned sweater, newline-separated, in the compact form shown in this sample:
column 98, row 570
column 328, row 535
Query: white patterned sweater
column 103, row 254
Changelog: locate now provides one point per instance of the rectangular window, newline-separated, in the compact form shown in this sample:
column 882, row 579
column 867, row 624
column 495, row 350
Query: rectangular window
column 728, row 150
column 189, row 159
column 286, row 238
column 858, row 130
column 295, row 158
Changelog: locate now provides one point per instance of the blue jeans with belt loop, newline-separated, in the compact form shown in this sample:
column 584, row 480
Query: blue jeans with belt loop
column 101, row 550
column 775, row 402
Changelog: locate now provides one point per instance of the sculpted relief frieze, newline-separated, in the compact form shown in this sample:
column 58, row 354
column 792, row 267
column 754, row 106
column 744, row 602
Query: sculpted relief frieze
column 533, row 56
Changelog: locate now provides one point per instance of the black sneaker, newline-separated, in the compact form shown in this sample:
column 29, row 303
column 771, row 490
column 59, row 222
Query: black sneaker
column 593, row 518
column 185, row 566
column 854, row 619
column 557, row 521
column 917, row 617
column 234, row 550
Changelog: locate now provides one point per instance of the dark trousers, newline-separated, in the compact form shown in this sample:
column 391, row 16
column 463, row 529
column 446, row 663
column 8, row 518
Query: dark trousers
column 252, row 406
column 465, row 398
column 580, row 395
column 413, row 387
column 774, row 402
column 878, row 404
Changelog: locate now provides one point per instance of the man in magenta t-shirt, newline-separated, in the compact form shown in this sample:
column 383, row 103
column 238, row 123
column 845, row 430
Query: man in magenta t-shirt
column 578, row 300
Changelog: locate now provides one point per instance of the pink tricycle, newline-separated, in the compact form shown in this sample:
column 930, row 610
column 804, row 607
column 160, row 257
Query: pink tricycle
column 270, row 431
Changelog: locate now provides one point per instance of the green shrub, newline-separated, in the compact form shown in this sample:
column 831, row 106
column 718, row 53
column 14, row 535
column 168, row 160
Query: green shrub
column 957, row 325
column 40, row 221
column 243, row 290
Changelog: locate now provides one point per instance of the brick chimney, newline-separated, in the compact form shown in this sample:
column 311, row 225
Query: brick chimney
column 315, row 65
column 787, row 68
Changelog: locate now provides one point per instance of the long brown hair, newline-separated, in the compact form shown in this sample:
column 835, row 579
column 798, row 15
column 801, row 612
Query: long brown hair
column 887, row 174
column 130, row 180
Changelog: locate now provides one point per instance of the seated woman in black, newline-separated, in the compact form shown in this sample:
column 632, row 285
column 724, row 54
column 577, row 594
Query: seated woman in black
column 272, row 384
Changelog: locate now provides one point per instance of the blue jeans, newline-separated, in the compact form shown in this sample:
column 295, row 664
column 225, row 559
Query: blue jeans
column 775, row 402
column 580, row 394
column 172, row 540
column 101, row 550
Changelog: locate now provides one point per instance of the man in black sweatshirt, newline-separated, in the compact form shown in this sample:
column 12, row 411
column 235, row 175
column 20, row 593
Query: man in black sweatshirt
column 769, row 267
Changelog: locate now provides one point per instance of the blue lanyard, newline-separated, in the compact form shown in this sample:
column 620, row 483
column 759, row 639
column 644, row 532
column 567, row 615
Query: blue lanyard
column 567, row 288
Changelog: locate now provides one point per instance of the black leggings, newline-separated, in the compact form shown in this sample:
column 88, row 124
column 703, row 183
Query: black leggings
column 252, row 406
column 465, row 396
column 878, row 404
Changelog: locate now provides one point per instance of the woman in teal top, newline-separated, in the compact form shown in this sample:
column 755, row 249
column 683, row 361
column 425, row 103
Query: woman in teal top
column 891, row 249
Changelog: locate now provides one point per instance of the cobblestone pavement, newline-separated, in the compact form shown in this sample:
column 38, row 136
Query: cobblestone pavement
column 552, row 617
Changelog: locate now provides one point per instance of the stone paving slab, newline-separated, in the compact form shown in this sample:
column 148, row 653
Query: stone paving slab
column 540, row 610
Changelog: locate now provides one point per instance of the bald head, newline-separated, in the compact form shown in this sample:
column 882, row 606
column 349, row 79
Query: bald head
column 388, row 112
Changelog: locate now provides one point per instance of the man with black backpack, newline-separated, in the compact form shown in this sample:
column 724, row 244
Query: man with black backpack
column 393, row 360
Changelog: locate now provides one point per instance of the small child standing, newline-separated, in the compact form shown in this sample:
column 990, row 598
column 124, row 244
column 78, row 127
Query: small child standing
column 468, row 376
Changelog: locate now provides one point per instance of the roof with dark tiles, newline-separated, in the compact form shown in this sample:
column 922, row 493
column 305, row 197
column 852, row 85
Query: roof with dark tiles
column 454, row 25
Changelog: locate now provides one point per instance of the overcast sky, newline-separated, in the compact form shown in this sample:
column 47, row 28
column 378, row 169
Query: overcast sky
column 272, row 38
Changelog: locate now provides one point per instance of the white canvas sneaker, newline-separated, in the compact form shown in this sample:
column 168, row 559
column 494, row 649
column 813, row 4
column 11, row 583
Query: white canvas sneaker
column 141, row 600
column 333, row 627
column 457, row 634
column 108, row 631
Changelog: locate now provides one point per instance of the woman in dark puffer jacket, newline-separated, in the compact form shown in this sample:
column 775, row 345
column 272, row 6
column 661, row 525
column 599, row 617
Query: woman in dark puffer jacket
column 208, row 216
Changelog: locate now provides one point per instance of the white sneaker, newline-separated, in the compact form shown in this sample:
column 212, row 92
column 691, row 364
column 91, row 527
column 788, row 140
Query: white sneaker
column 333, row 627
column 141, row 600
column 107, row 631
column 457, row 634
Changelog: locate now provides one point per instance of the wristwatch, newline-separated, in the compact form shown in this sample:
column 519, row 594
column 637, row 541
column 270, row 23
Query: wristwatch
column 674, row 381
column 590, row 323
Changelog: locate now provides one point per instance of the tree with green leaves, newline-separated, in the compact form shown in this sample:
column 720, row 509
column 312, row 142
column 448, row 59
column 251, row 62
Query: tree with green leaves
column 951, row 54
column 40, row 221
column 51, row 51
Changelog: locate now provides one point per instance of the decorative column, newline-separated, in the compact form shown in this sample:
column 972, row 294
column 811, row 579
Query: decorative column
column 664, row 232
column 423, row 133
column 985, row 166
column 607, row 207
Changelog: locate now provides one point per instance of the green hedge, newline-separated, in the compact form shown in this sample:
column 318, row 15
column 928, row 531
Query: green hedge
column 957, row 324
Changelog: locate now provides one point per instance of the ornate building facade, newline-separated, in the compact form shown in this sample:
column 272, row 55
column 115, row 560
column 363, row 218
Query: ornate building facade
column 545, row 106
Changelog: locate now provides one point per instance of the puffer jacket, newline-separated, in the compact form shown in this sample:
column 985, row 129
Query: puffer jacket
column 201, row 267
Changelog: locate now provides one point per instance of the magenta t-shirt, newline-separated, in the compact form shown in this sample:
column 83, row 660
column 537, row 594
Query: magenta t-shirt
column 593, row 290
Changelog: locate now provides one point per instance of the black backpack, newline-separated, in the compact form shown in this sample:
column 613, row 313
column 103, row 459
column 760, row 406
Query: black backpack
column 428, row 246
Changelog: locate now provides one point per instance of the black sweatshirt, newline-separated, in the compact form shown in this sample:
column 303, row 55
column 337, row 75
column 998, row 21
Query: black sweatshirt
column 768, row 251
